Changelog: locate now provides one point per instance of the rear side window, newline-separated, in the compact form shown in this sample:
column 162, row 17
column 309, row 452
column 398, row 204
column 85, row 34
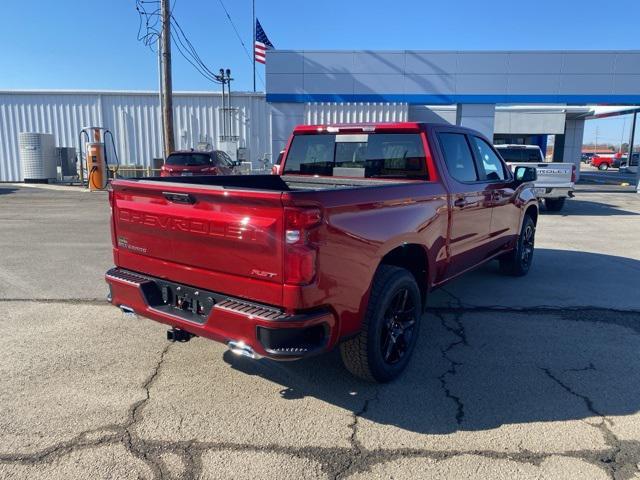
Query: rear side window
column 458, row 157
column 224, row 159
column 379, row 155
column 489, row 161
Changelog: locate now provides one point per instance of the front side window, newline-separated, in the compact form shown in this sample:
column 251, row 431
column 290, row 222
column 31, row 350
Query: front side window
column 375, row 155
column 458, row 157
column 490, row 162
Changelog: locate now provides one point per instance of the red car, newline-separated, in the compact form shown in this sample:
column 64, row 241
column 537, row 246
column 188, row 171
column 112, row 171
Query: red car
column 342, row 249
column 188, row 163
column 602, row 163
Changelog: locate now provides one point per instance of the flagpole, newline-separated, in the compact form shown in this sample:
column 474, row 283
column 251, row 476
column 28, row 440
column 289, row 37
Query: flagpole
column 254, row 44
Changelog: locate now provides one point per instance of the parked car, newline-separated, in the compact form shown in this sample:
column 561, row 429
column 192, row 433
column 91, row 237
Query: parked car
column 341, row 249
column 191, row 162
column 586, row 157
column 602, row 162
column 631, row 167
column 556, row 181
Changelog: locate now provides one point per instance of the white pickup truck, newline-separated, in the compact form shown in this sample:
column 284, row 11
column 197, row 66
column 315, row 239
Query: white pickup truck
column 555, row 181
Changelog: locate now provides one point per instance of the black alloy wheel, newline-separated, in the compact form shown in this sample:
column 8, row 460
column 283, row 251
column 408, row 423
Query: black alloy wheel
column 398, row 327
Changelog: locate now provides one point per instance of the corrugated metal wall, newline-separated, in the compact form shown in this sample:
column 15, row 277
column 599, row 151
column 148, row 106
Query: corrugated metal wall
column 323, row 113
column 134, row 119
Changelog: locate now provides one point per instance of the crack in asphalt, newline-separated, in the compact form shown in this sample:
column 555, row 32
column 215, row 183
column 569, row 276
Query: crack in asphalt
column 337, row 462
column 610, row 459
column 591, row 366
column 460, row 340
column 132, row 442
column 341, row 462
column 120, row 433
column 620, row 460
column 357, row 450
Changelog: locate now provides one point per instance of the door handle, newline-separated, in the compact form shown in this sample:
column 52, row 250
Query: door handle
column 460, row 202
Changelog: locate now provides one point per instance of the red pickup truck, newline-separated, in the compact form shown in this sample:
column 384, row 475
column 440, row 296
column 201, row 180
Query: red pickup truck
column 341, row 249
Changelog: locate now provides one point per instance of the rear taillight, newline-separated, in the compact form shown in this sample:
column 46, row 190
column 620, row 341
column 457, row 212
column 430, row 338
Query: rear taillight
column 300, row 251
column 573, row 173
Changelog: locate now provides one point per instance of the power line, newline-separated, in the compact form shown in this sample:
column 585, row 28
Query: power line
column 151, row 22
column 183, row 40
column 235, row 29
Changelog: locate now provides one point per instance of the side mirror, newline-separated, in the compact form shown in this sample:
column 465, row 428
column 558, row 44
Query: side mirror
column 524, row 174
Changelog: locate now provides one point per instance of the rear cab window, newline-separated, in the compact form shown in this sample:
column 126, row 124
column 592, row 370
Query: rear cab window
column 366, row 155
column 188, row 159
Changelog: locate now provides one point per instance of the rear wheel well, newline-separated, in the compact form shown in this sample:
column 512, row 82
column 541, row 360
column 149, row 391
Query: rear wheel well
column 412, row 257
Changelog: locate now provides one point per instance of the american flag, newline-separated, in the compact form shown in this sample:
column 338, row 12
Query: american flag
column 262, row 44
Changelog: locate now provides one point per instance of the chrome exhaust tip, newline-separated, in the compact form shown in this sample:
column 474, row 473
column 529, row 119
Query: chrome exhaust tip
column 242, row 349
column 127, row 311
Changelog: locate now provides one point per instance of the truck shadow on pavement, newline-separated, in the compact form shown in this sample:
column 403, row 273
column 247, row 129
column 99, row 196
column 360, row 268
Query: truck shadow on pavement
column 480, row 367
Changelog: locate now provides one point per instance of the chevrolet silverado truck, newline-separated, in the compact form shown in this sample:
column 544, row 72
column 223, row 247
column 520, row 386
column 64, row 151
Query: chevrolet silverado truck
column 341, row 249
column 556, row 181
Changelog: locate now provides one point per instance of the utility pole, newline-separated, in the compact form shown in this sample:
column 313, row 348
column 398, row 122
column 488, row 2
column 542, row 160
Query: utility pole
column 160, row 96
column 224, row 107
column 167, row 104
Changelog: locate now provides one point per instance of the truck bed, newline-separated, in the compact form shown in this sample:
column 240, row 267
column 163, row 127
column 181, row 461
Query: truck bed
column 287, row 183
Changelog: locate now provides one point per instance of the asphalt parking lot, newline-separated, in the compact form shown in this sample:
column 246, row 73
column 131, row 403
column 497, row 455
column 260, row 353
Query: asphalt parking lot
column 534, row 377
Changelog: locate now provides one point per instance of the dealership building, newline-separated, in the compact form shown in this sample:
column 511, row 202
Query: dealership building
column 510, row 96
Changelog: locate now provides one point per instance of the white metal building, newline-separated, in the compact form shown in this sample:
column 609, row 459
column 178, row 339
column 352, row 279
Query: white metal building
column 133, row 118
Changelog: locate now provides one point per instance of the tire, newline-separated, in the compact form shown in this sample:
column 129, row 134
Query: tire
column 554, row 204
column 603, row 166
column 518, row 262
column 383, row 348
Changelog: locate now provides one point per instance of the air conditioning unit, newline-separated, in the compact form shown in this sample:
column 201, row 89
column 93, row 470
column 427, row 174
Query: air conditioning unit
column 37, row 156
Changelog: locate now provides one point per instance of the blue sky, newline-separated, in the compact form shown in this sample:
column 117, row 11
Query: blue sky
column 92, row 44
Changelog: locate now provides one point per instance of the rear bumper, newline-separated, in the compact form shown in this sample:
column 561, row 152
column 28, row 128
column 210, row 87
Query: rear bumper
column 554, row 192
column 266, row 329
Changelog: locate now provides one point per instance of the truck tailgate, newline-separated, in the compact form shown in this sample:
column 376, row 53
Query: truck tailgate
column 223, row 240
column 551, row 174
